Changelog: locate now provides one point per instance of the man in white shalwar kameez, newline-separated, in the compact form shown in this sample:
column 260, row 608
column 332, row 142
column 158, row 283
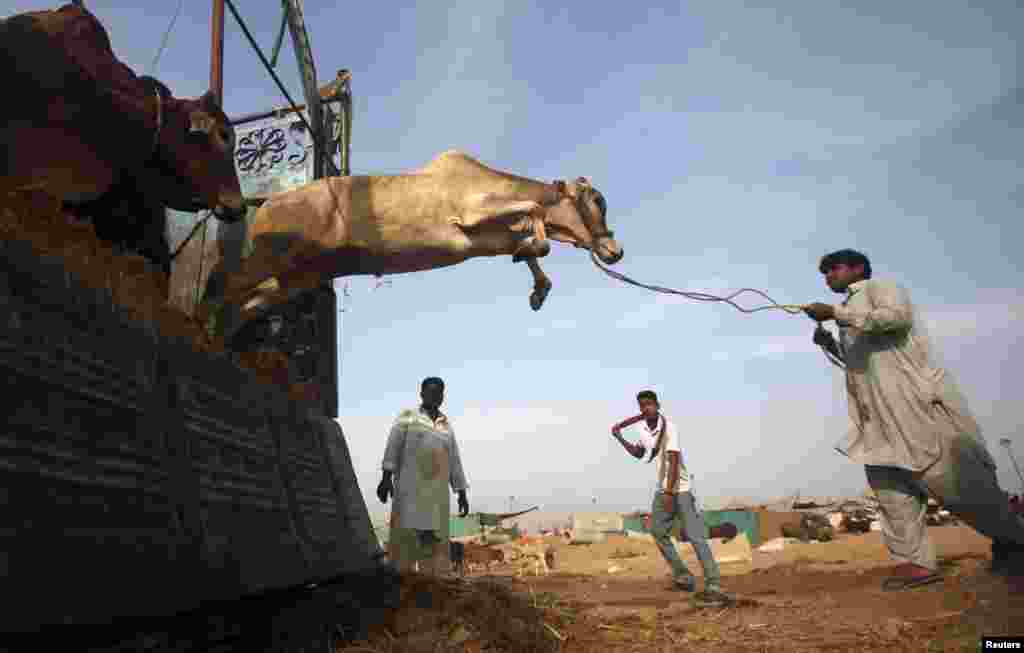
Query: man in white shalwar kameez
column 911, row 428
column 420, row 461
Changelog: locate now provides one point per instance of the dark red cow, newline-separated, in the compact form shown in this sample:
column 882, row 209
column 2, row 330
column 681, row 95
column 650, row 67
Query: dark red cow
column 76, row 122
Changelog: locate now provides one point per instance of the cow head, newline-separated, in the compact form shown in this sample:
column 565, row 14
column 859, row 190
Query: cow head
column 194, row 160
column 579, row 217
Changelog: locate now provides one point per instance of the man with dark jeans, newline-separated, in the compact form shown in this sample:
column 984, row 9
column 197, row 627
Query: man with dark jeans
column 672, row 498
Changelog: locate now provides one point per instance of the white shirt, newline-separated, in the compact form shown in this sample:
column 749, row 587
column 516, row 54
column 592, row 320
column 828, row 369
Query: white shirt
column 904, row 408
column 670, row 442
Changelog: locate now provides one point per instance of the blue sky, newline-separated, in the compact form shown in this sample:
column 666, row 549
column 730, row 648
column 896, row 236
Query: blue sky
column 735, row 144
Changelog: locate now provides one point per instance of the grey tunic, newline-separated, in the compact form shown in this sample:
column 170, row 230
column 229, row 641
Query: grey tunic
column 904, row 408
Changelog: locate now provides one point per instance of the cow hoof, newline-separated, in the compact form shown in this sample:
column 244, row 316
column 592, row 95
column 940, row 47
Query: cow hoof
column 539, row 294
column 537, row 299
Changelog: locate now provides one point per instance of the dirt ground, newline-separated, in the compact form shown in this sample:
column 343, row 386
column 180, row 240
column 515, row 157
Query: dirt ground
column 807, row 597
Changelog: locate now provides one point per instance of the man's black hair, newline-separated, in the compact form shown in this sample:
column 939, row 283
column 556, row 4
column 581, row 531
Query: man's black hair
column 647, row 394
column 845, row 257
column 432, row 380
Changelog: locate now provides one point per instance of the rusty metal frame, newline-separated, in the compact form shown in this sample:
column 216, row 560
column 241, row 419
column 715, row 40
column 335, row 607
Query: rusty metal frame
column 324, row 147
column 217, row 52
column 273, row 113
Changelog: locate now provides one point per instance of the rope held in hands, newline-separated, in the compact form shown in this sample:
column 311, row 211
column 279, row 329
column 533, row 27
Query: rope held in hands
column 792, row 309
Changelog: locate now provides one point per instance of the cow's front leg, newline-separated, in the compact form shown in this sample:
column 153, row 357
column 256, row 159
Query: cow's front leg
column 536, row 244
column 513, row 214
column 541, row 284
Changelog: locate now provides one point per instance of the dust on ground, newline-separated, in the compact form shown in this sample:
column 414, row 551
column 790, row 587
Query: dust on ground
column 807, row 597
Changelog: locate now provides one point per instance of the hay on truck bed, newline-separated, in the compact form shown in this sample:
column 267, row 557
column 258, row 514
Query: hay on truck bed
column 134, row 283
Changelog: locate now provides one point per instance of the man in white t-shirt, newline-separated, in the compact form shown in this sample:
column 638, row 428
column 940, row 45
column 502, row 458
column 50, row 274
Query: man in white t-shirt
column 672, row 498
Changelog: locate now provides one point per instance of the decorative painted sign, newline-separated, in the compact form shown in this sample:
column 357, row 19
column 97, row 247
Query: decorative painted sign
column 273, row 155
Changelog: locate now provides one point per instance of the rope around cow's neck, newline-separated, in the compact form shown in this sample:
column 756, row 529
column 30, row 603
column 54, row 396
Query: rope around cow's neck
column 792, row 309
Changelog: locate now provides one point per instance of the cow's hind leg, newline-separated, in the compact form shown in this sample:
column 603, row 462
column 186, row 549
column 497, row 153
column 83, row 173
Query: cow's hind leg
column 273, row 293
column 541, row 284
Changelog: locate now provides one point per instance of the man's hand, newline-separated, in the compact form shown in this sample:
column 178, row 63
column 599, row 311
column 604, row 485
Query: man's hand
column 385, row 489
column 617, row 429
column 823, row 337
column 463, row 504
column 820, row 312
column 636, row 450
column 668, row 502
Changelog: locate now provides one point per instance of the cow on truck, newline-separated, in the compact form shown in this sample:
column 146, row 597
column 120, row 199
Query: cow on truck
column 110, row 145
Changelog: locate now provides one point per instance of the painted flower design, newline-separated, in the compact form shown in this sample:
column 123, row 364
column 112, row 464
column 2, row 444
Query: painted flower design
column 298, row 134
column 260, row 149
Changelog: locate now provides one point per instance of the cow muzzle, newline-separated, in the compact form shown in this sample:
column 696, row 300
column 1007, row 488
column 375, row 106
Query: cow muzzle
column 227, row 214
column 609, row 251
column 230, row 207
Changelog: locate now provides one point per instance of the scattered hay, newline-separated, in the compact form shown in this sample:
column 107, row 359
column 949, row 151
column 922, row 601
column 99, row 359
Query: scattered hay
column 622, row 554
column 134, row 283
column 449, row 616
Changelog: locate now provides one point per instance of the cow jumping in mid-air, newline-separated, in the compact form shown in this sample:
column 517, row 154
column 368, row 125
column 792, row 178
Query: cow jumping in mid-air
column 453, row 209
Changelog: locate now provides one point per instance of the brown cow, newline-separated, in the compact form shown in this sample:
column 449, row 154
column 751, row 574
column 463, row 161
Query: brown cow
column 77, row 121
column 453, row 209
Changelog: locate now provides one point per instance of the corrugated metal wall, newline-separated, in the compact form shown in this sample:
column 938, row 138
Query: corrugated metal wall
column 128, row 450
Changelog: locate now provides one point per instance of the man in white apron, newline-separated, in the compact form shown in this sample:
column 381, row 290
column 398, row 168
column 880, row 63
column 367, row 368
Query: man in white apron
column 420, row 462
column 911, row 428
